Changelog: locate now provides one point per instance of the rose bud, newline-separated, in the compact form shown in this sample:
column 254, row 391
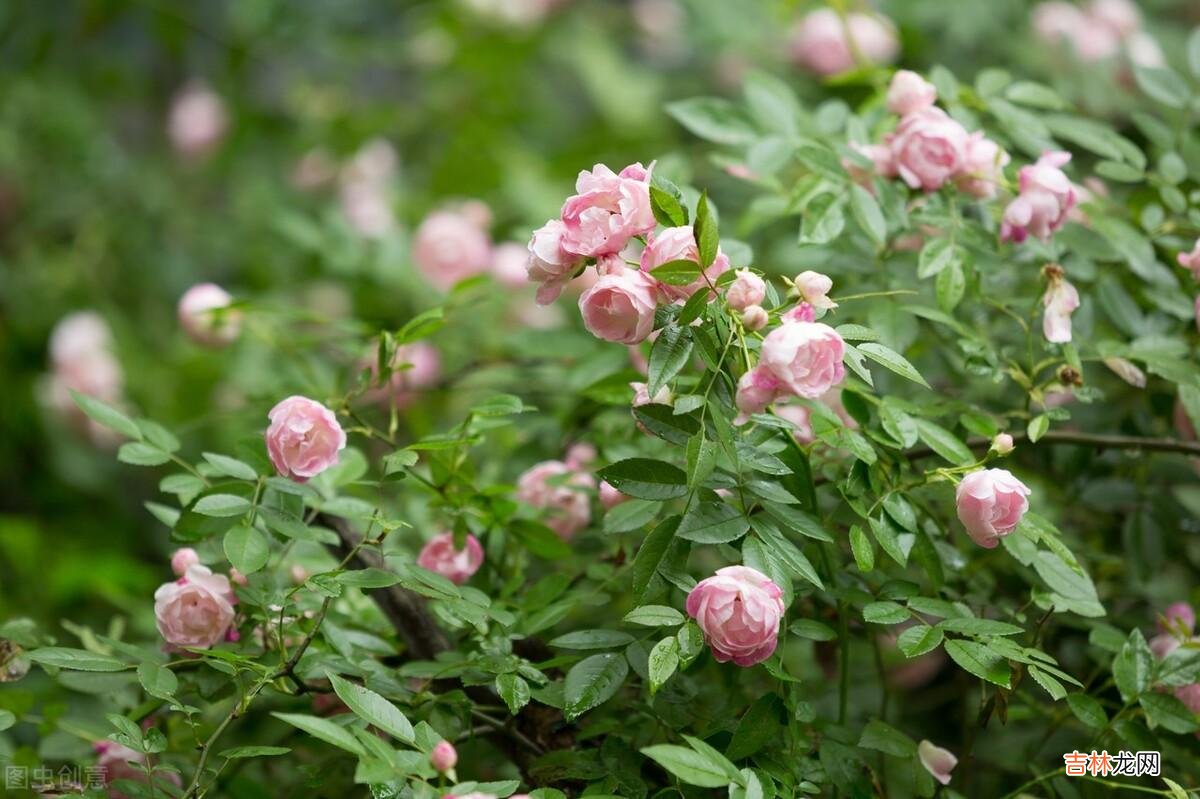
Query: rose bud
column 806, row 357
column 990, row 503
column 1060, row 301
column 197, row 121
column 1002, row 444
column 747, row 289
column 620, row 307
column 755, row 317
column 443, row 757
column 756, row 389
column 814, row 287
column 1163, row 645
column 456, row 565
column 182, row 559
column 195, row 610
column 937, row 761
column 202, row 317
column 909, row 93
column 304, row 438
column 739, row 610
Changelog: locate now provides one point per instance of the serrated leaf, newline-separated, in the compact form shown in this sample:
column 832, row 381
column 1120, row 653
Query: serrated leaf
column 919, row 639
column 373, row 708
column 222, row 505
column 867, row 213
column 662, row 663
column 324, row 730
column 688, row 765
column 75, row 659
column 645, row 478
column 231, row 466
column 514, row 690
column 1088, row 710
column 593, row 681
column 979, row 660
column 890, row 359
column 712, row 523
column 654, row 616
column 107, row 416
column 246, row 548
column 157, row 680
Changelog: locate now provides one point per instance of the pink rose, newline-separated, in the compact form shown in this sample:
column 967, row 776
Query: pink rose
column 814, row 287
column 1060, row 301
column 450, row 246
column 611, row 497
column 806, row 357
column 607, row 211
column 1163, row 645
column 641, row 396
column 1057, row 21
column 367, row 208
column 202, row 315
column 679, row 244
column 304, row 438
column 937, row 761
column 415, row 366
column 1095, row 41
column 1177, row 616
column 909, row 93
column 990, row 503
column 509, row 266
column 195, row 610
column 620, row 307
column 555, row 487
column 82, row 360
column 456, row 565
column 820, row 42
column 197, row 121
column 443, row 757
column 1190, row 696
column 1047, row 196
column 1120, row 16
column 883, row 164
column 1191, row 260
column 983, row 167
column 747, row 289
column 183, row 559
column 739, row 610
column 755, row 317
column 549, row 264
column 930, row 148
column 756, row 389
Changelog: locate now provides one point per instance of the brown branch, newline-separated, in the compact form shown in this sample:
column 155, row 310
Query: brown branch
column 1094, row 440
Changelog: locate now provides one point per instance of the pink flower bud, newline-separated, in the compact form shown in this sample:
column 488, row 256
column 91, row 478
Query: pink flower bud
column 237, row 578
column 182, row 559
column 304, row 438
column 1191, row 260
column 822, row 42
column 1176, row 616
column 1046, row 198
column 746, row 290
column 990, row 503
column 443, row 757
column 456, row 565
column 739, row 610
column 937, row 761
column 909, row 93
column 203, row 317
column 755, row 317
column 757, row 389
column 1002, row 444
column 814, row 287
column 197, row 121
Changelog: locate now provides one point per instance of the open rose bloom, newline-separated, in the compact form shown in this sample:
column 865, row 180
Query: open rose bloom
column 739, row 610
column 196, row 610
column 1046, row 198
column 304, row 438
column 990, row 503
column 608, row 210
column 456, row 565
column 562, row 492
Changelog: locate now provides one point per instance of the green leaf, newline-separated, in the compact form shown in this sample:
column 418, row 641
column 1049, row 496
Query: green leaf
column 1035, row 95
column 373, row 708
column 323, row 730
column 222, row 505
column 786, row 552
column 1164, row 710
column 1162, row 84
column 654, row 616
column 713, row 118
column 889, row 358
column 500, row 405
column 668, row 356
column 651, row 553
column 514, row 690
column 1048, row 683
column 867, row 213
column 75, row 659
column 591, row 682
column 936, row 255
column 663, row 661
column 421, row 326
column 1037, row 427
column 887, row 739
column 399, row 460
column 1193, row 52
column 944, row 443
column 864, row 552
column 630, row 515
column 708, row 241
column 668, row 211
column 680, row 272
column 239, row 752
column 107, row 416
column 919, row 639
column 246, row 548
column 231, row 466
column 157, row 680
column 823, row 219
column 971, row 626
column 1132, row 666
column 645, row 478
column 539, row 539
column 701, row 459
column 7, row 720
column 981, row 661
column 885, row 613
column 761, row 724
column 950, row 285
column 592, row 639
column 1088, row 710
column 137, row 453
column 688, row 765
column 712, row 523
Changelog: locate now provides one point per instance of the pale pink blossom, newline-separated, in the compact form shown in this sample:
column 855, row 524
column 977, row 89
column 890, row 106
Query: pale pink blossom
column 937, row 761
column 610, row 497
column 883, row 164
column 197, row 121
column 450, row 246
column 549, row 265
column 1189, row 695
column 206, row 318
column 1164, row 644
column 821, row 41
column 367, row 207
column 990, row 503
column 1121, row 16
column 82, row 360
column 746, row 289
column 304, row 438
column 814, row 288
column 679, row 244
column 620, row 307
column 443, row 756
column 929, row 148
column 415, row 368
column 1046, row 197
column 1060, row 301
column 440, row 556
column 738, row 609
column 806, row 357
column 1191, row 260
column 509, row 266
column 755, row 317
column 756, row 389
column 182, row 559
column 909, row 93
column 983, row 167
column 642, row 397
column 562, row 492
column 1177, row 616
column 607, row 210
column 196, row 610
column 1002, row 444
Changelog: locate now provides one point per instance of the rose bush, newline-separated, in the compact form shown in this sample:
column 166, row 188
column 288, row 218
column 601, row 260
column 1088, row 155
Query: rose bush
column 838, row 443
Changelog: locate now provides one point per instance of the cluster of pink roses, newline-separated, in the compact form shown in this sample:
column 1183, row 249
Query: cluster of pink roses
column 562, row 489
column 196, row 610
column 82, row 360
column 1098, row 31
column 929, row 148
column 1177, row 627
column 826, row 43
